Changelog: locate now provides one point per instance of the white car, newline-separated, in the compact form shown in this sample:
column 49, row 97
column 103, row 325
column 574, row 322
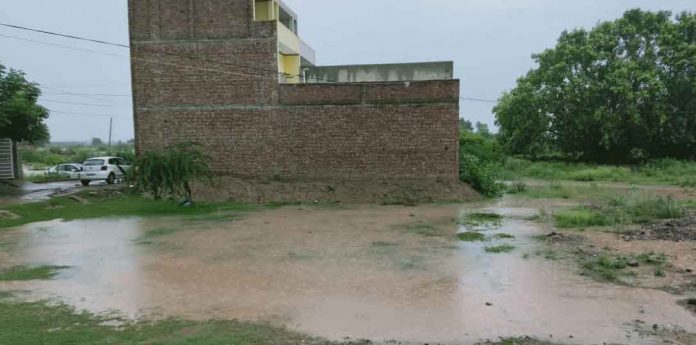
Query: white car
column 68, row 170
column 109, row 169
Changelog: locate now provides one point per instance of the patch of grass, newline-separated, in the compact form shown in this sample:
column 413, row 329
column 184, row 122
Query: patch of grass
column 46, row 178
column 580, row 218
column 424, row 229
column 553, row 191
column 122, row 206
column 608, row 268
column 472, row 220
column 471, row 236
column 22, row 273
column 505, row 248
column 665, row 171
column 604, row 268
column 548, row 254
column 618, row 210
column 504, row 236
column 517, row 187
column 49, row 323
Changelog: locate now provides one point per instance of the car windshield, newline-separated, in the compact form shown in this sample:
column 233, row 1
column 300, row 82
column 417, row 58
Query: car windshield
column 93, row 162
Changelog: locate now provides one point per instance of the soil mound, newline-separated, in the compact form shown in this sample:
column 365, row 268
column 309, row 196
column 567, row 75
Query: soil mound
column 402, row 192
column 678, row 230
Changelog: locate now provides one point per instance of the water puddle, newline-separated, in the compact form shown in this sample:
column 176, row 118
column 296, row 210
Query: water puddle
column 361, row 272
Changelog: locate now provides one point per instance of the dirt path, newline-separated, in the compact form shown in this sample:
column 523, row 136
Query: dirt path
column 372, row 272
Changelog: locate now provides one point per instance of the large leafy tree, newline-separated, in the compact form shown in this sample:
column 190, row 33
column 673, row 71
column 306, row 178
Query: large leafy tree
column 624, row 91
column 21, row 118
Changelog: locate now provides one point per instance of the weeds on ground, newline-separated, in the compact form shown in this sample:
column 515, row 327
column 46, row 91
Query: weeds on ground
column 580, row 217
column 472, row 220
column 21, row 273
column 619, row 210
column 608, row 268
column 424, row 229
column 517, row 187
column 51, row 323
column 504, row 236
column 471, row 236
column 505, row 248
column 665, row 171
column 122, row 205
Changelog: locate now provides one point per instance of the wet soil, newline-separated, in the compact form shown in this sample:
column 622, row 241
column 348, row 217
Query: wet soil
column 373, row 272
column 683, row 229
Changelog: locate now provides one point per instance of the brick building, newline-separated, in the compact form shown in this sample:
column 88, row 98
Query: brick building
column 234, row 76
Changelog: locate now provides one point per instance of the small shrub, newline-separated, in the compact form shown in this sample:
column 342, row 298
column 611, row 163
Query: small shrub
column 518, row 187
column 482, row 176
column 170, row 172
column 647, row 209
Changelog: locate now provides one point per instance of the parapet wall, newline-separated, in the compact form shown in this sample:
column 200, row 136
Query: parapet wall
column 420, row 71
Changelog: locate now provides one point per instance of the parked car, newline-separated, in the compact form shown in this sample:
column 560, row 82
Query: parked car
column 109, row 169
column 66, row 170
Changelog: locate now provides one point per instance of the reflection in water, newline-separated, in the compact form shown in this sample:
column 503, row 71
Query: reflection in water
column 335, row 272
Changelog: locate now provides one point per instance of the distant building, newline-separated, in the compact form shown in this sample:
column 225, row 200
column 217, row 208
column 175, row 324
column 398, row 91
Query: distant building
column 235, row 76
column 9, row 163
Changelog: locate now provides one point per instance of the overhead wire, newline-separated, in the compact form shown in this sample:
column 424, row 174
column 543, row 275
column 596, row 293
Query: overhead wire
column 178, row 56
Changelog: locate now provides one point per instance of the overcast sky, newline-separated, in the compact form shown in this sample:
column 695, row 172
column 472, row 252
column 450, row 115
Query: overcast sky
column 490, row 42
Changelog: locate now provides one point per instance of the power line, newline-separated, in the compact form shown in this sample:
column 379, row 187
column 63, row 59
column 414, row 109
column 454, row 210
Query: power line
column 472, row 99
column 83, row 94
column 72, row 113
column 141, row 59
column 65, row 36
column 76, row 103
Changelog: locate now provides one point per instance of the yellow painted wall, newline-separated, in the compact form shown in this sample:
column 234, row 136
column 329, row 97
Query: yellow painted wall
column 289, row 64
column 288, row 58
column 265, row 11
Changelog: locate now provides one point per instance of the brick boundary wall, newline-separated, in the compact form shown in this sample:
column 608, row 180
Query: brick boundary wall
column 203, row 71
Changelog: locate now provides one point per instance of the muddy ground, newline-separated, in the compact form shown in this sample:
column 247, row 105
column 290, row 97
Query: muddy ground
column 376, row 272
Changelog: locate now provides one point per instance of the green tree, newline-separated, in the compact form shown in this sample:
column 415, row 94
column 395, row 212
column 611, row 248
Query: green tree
column 621, row 92
column 21, row 118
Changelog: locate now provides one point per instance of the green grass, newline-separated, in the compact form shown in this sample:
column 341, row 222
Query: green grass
column 22, row 273
column 505, row 248
column 580, row 218
column 49, row 323
column 608, row 268
column 666, row 171
column 504, row 236
column 45, row 178
column 636, row 209
column 471, row 236
column 481, row 219
column 125, row 205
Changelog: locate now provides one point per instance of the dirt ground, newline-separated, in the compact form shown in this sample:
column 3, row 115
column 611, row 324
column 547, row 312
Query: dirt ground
column 375, row 191
column 375, row 272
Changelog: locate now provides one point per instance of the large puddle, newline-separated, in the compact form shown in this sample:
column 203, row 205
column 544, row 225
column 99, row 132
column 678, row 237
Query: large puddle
column 373, row 272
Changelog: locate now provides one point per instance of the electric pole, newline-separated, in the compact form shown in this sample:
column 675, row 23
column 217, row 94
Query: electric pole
column 111, row 124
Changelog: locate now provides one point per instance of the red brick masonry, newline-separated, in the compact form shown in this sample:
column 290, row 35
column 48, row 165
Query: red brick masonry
column 204, row 71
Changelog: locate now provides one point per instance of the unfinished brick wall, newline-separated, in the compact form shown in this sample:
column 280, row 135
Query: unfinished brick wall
column 204, row 71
